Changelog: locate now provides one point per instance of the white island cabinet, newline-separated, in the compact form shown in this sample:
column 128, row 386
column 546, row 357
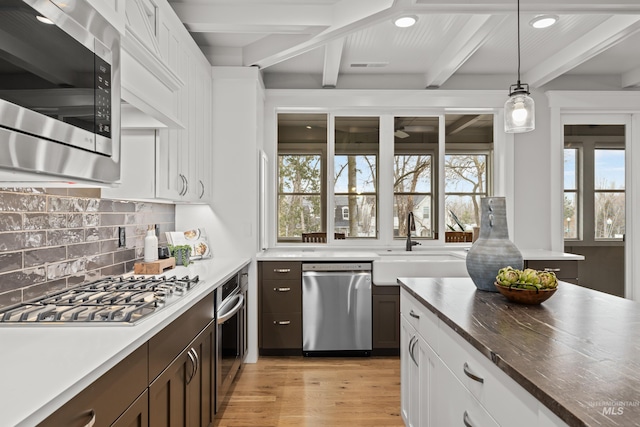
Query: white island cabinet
column 447, row 382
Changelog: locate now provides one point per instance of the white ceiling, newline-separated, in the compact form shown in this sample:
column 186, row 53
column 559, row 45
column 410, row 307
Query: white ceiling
column 324, row 39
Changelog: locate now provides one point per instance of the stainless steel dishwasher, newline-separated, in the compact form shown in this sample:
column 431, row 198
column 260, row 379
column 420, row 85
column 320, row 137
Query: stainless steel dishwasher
column 336, row 309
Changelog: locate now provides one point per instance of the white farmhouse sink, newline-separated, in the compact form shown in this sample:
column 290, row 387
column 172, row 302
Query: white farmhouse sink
column 392, row 265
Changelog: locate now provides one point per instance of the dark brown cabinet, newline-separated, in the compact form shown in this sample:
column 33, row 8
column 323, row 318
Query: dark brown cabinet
column 183, row 394
column 169, row 381
column 108, row 397
column 565, row 270
column 137, row 415
column 280, row 301
column 386, row 320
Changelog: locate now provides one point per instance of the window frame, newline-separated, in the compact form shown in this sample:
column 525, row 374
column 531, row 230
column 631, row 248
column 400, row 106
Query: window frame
column 500, row 154
column 585, row 181
column 578, row 147
column 596, row 191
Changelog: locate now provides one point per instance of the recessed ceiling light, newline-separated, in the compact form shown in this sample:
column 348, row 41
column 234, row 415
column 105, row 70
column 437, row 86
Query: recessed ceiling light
column 543, row 21
column 308, row 127
column 44, row 20
column 405, row 21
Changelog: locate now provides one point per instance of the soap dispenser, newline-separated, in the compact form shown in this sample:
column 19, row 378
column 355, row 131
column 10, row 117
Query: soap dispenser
column 150, row 245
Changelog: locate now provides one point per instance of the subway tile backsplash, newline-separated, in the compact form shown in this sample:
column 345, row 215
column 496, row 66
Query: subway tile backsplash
column 54, row 238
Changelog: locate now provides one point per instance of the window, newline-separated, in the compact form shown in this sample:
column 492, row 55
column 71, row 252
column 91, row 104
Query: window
column 355, row 175
column 415, row 145
column 594, row 183
column 571, row 192
column 609, row 193
column 345, row 213
column 340, row 194
column 302, row 140
column 467, row 169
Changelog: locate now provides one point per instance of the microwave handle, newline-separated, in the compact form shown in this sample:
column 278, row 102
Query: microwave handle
column 223, row 317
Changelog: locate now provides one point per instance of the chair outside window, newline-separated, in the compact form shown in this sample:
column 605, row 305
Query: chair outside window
column 320, row 237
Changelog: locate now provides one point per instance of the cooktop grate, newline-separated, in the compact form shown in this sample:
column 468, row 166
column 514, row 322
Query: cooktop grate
column 111, row 300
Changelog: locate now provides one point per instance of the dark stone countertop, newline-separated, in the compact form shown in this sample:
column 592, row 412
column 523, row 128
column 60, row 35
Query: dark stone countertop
column 578, row 352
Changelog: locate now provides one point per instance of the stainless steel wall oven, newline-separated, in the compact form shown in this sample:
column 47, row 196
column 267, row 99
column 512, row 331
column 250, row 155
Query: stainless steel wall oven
column 231, row 339
column 59, row 90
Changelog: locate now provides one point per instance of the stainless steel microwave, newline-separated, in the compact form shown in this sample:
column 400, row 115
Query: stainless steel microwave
column 59, row 90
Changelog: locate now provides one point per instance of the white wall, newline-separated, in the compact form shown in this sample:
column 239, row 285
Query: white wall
column 532, row 179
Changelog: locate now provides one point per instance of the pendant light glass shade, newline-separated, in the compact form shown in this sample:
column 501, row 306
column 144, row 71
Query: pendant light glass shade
column 519, row 110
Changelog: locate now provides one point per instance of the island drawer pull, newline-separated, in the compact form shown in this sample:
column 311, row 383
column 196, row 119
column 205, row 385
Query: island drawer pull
column 470, row 374
column 282, row 322
column 282, row 289
column 413, row 314
column 92, row 421
column 466, row 420
column 282, row 270
column 555, row 270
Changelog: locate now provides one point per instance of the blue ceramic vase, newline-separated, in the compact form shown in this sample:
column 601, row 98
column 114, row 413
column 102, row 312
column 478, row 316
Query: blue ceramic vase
column 492, row 250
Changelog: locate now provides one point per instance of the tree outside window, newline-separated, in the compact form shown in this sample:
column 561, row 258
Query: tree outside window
column 465, row 184
column 299, row 195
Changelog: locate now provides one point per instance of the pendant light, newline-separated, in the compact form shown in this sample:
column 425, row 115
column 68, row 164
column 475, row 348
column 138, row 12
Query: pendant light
column 519, row 112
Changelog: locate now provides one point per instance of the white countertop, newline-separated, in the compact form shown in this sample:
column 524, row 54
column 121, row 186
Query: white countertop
column 325, row 254
column 43, row 367
column 542, row 255
column 295, row 254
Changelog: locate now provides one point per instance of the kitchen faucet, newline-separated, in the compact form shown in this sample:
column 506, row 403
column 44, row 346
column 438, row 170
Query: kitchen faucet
column 411, row 226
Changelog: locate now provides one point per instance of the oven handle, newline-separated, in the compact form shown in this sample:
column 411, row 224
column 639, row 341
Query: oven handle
column 223, row 317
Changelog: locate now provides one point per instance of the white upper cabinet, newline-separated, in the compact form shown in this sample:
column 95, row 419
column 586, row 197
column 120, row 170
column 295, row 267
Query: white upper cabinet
column 166, row 76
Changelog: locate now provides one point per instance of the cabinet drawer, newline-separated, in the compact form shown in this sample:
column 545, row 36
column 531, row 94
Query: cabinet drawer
column 281, row 296
column 279, row 270
column 107, row 397
column 421, row 318
column 562, row 269
column 167, row 344
column 282, row 330
column 503, row 398
column 455, row 406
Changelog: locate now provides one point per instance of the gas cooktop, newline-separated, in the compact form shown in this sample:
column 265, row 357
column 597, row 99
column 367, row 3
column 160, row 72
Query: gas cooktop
column 108, row 301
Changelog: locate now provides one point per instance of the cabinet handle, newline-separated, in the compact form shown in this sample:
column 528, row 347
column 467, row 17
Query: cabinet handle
column 282, row 289
column 282, row 270
column 186, row 181
column 555, row 270
column 470, row 374
column 184, row 185
column 92, row 421
column 466, row 420
column 193, row 365
column 282, row 322
column 202, row 186
column 413, row 314
column 195, row 355
column 412, row 343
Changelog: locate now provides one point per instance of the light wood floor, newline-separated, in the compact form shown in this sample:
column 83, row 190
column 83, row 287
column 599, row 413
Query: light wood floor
column 315, row 392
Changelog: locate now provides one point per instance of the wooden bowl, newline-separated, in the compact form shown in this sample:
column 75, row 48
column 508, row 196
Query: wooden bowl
column 525, row 296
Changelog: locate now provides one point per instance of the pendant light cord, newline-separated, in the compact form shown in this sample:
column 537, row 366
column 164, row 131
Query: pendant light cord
column 518, row 43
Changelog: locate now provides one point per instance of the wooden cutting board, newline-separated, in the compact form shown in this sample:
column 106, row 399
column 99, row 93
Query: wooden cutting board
column 155, row 267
